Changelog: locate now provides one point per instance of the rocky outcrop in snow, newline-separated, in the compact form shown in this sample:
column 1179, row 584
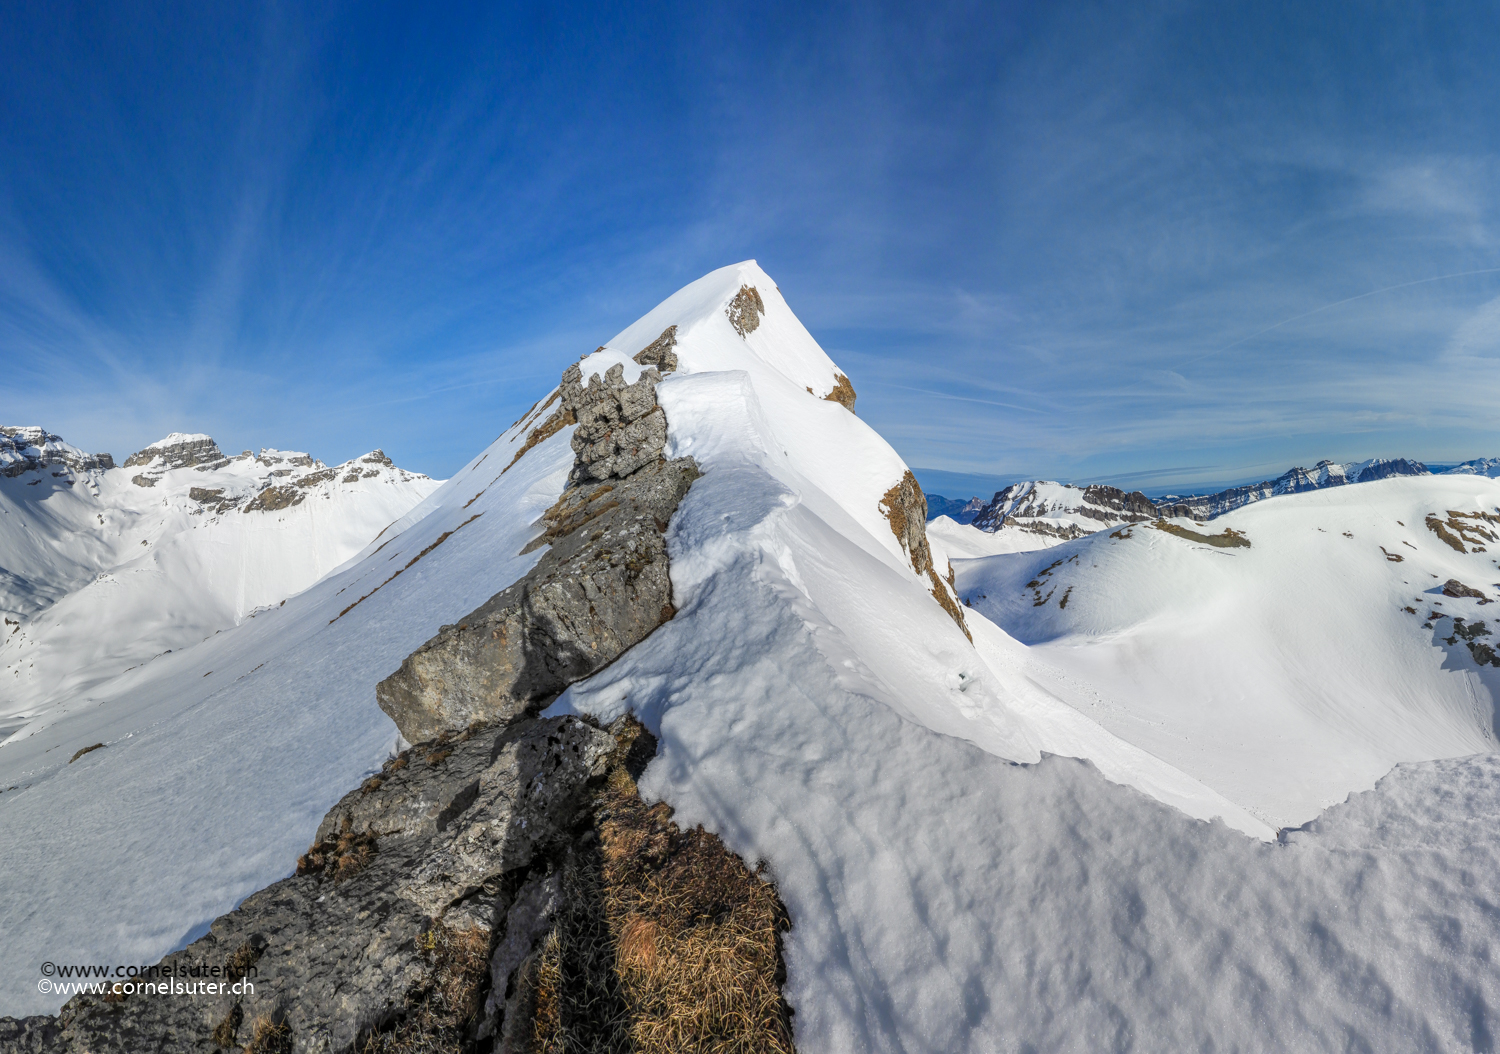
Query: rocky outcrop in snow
column 30, row 449
column 601, row 587
column 905, row 508
column 178, row 450
column 620, row 427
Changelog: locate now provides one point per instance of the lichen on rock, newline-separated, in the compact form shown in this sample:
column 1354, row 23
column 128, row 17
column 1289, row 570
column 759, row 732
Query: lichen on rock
column 745, row 309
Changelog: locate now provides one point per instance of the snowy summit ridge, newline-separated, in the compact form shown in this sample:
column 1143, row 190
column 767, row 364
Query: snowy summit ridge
column 911, row 777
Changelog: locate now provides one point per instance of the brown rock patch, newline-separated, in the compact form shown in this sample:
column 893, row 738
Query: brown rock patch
column 744, row 310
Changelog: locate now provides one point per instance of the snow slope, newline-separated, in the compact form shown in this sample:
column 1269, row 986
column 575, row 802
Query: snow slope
column 962, row 540
column 1286, row 674
column 101, row 570
column 952, row 888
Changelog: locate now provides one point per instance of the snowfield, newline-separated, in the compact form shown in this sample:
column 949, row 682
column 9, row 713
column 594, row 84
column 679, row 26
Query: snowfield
column 1285, row 674
column 954, row 883
column 103, row 570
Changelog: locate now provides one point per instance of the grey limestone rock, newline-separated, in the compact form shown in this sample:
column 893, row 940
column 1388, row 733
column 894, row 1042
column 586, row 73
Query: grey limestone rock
column 601, row 588
column 28, row 448
column 659, row 352
column 177, row 455
column 620, row 427
column 443, row 838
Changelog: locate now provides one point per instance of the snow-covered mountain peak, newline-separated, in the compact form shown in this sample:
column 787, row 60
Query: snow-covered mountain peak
column 1053, row 512
column 817, row 707
column 102, row 567
column 29, row 448
column 1482, row 466
column 736, row 319
column 178, row 450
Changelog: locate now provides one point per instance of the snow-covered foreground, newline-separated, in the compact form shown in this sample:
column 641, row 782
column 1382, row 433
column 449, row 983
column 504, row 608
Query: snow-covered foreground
column 951, row 887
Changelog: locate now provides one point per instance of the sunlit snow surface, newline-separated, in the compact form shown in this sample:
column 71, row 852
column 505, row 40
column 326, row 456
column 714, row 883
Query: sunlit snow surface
column 951, row 887
column 1286, row 674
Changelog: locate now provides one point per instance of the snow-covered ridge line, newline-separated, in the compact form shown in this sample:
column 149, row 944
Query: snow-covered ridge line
column 28, row 448
column 1294, row 481
column 1055, row 512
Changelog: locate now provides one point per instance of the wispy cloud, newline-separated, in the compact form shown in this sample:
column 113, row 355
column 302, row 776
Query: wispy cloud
column 1073, row 241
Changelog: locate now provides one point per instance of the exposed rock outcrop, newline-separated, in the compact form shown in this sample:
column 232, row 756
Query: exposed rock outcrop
column 1456, row 589
column 427, row 856
column 745, row 309
column 601, row 587
column 30, row 449
column 275, row 498
column 842, row 393
column 906, row 508
column 1053, row 509
column 659, row 352
column 176, row 451
column 620, row 427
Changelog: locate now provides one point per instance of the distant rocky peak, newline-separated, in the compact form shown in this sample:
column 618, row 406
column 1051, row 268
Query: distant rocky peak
column 295, row 458
column 28, row 448
column 178, row 450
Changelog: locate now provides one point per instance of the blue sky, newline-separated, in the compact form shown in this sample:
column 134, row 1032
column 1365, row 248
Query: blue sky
column 1154, row 245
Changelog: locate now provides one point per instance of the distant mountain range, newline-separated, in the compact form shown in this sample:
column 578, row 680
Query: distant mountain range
column 1059, row 511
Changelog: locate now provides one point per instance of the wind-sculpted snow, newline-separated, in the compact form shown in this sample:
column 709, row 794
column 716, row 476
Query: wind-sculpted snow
column 1284, row 674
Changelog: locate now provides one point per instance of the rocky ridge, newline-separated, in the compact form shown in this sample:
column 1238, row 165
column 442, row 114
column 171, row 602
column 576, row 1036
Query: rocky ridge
column 1294, row 481
column 28, row 448
column 1062, row 511
column 269, row 481
column 460, row 899
column 600, row 588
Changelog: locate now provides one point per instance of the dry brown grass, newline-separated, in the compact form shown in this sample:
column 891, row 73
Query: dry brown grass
column 669, row 943
column 440, row 1014
column 224, row 1032
column 342, row 856
column 243, row 960
column 560, row 419
column 1230, row 539
column 269, row 1035
column 85, row 750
